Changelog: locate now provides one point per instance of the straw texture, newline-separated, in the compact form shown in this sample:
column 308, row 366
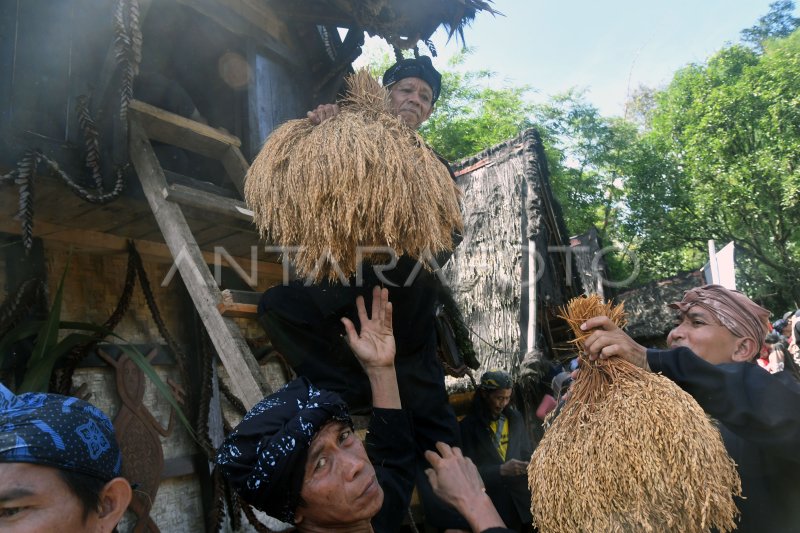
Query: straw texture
column 629, row 452
column 360, row 179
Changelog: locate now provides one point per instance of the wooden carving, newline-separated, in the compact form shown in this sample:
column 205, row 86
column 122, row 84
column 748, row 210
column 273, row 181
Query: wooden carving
column 138, row 434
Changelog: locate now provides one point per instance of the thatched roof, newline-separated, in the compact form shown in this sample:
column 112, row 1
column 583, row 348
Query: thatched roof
column 649, row 318
column 403, row 23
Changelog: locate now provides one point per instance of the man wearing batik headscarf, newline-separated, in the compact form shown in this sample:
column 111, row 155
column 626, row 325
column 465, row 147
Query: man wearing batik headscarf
column 59, row 466
column 717, row 335
column 295, row 455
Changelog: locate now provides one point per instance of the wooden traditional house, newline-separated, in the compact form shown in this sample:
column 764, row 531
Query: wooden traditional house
column 514, row 267
column 126, row 128
column 649, row 318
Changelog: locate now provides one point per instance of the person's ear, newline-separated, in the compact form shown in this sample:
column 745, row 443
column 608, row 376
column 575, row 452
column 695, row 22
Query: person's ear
column 114, row 499
column 746, row 349
column 298, row 515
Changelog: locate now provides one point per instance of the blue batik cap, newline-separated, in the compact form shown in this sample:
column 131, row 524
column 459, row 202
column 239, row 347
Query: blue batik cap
column 57, row 431
column 264, row 457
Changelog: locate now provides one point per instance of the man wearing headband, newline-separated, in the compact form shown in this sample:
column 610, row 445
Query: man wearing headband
column 718, row 334
column 295, row 455
column 302, row 321
column 494, row 436
column 59, row 466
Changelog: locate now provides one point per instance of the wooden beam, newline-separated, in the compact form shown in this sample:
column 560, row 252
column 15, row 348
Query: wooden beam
column 236, row 166
column 261, row 15
column 239, row 304
column 247, row 18
column 95, row 242
column 182, row 132
column 235, row 310
column 208, row 202
column 246, row 378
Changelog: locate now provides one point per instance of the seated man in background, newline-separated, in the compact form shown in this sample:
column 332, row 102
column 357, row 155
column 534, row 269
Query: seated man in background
column 717, row 335
column 494, row 436
column 296, row 457
column 59, row 466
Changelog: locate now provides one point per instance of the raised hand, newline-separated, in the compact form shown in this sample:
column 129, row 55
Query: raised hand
column 374, row 345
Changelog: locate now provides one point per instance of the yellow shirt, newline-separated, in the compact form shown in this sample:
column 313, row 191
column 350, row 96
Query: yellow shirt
column 502, row 447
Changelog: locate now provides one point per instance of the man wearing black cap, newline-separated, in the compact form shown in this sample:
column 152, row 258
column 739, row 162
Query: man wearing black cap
column 59, row 466
column 303, row 321
column 414, row 86
column 494, row 436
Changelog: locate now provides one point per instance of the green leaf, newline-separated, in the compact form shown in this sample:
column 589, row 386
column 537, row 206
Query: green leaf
column 37, row 377
column 48, row 335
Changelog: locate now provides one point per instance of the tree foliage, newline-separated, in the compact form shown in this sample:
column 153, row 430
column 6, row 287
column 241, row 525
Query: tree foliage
column 721, row 161
column 778, row 22
column 471, row 115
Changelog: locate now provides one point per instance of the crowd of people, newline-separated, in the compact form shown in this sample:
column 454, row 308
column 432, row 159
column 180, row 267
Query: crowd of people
column 360, row 348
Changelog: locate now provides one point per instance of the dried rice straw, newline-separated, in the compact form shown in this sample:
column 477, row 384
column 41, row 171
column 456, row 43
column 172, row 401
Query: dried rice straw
column 629, row 452
column 362, row 178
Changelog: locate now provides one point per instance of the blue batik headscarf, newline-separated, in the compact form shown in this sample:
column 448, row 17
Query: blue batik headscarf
column 264, row 457
column 57, row 431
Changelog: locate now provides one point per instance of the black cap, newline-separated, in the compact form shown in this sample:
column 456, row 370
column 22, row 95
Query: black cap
column 419, row 67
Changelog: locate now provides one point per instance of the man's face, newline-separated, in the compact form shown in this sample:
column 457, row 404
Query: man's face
column 35, row 499
column 339, row 486
column 700, row 331
column 412, row 100
column 497, row 400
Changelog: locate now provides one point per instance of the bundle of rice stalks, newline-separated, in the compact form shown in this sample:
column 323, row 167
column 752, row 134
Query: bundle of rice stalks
column 629, row 452
column 360, row 179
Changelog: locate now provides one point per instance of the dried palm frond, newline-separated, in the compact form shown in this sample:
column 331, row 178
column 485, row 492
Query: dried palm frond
column 629, row 452
column 360, row 179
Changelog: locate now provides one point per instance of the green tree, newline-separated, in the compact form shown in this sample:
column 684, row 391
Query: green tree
column 587, row 158
column 778, row 22
column 721, row 162
column 471, row 116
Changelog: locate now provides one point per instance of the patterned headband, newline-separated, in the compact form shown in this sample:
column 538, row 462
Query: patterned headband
column 57, row 431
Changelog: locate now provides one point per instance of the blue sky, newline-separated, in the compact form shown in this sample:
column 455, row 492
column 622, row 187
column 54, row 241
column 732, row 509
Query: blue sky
column 607, row 47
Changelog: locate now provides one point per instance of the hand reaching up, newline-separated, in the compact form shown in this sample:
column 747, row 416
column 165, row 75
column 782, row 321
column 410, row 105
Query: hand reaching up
column 374, row 344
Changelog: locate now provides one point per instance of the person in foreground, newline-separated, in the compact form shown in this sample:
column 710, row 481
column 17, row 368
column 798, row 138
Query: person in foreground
column 718, row 334
column 494, row 437
column 455, row 479
column 296, row 457
column 59, row 466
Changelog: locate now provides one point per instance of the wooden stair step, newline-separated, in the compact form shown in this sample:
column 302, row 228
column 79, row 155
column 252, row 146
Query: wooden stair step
column 214, row 203
column 181, row 179
column 239, row 304
column 169, row 128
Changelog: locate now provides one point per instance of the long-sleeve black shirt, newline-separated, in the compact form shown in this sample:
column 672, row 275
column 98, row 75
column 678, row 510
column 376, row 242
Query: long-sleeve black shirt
column 759, row 415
